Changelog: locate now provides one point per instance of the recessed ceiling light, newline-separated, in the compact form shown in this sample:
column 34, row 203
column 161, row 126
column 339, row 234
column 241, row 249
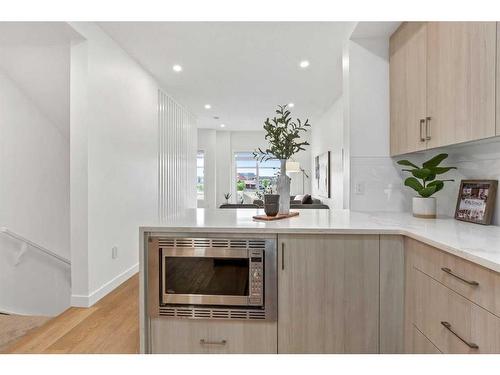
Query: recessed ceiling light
column 177, row 68
column 304, row 64
column 291, row 105
column 222, row 125
column 208, row 106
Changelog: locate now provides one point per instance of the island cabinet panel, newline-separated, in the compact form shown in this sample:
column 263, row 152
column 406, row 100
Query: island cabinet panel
column 328, row 294
column 192, row 336
column 461, row 69
column 408, row 92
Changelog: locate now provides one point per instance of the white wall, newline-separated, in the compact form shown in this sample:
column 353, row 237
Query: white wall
column 34, row 171
column 114, row 138
column 221, row 146
column 375, row 183
column 207, row 141
column 328, row 135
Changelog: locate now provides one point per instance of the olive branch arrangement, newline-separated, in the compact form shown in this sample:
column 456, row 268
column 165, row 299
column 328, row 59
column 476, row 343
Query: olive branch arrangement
column 283, row 135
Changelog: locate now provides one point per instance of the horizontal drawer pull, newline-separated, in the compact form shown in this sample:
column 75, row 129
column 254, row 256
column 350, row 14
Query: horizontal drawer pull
column 206, row 342
column 450, row 272
column 469, row 344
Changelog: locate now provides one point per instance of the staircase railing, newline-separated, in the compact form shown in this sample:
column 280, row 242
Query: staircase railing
column 34, row 245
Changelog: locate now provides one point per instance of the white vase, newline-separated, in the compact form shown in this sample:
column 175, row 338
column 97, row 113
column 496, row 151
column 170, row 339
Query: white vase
column 283, row 189
column 424, row 208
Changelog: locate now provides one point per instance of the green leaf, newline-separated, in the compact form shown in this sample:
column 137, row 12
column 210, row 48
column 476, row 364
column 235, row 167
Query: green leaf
column 427, row 192
column 435, row 161
column 423, row 173
column 407, row 163
column 441, row 170
column 414, row 184
column 438, row 184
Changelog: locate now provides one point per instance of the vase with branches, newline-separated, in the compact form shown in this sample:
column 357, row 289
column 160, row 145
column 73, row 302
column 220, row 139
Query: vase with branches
column 284, row 137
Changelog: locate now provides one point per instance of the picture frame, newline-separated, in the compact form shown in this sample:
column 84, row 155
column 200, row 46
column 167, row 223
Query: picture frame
column 476, row 201
column 322, row 174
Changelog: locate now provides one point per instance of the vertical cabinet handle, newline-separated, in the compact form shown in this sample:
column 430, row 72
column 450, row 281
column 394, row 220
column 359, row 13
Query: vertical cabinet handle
column 469, row 344
column 428, row 128
column 422, row 123
column 282, row 255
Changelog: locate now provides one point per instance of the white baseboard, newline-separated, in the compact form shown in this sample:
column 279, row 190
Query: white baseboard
column 78, row 300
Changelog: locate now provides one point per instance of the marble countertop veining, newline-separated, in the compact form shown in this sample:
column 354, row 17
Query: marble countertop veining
column 477, row 243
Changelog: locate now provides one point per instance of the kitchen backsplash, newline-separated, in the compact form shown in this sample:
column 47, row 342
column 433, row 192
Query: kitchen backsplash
column 377, row 183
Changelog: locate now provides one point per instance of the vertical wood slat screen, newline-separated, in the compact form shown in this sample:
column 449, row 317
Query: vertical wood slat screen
column 177, row 145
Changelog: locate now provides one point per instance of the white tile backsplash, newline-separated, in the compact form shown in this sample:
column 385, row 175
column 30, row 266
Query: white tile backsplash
column 383, row 180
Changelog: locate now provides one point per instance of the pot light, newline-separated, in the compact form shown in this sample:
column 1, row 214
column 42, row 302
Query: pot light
column 177, row 68
column 222, row 125
column 291, row 105
column 208, row 106
column 304, row 64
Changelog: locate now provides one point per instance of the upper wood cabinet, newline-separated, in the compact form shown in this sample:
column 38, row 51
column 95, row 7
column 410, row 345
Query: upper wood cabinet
column 328, row 294
column 452, row 65
column 408, row 87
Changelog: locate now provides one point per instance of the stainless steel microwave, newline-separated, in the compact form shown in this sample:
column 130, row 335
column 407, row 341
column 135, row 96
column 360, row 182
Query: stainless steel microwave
column 237, row 274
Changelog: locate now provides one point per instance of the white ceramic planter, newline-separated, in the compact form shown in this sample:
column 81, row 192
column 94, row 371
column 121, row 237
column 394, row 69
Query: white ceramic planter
column 424, row 208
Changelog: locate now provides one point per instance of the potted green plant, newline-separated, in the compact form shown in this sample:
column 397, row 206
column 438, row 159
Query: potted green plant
column 424, row 182
column 283, row 135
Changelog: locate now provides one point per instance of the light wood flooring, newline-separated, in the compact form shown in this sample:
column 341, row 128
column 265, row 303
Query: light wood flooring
column 110, row 326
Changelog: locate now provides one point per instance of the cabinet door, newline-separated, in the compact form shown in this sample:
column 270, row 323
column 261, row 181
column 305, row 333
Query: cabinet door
column 193, row 336
column 408, row 87
column 461, row 63
column 498, row 78
column 328, row 294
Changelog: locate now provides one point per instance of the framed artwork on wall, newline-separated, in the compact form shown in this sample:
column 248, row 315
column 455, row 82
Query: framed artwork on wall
column 476, row 201
column 322, row 174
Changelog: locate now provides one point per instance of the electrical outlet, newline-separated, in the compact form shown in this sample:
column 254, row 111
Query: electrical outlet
column 114, row 252
column 359, row 188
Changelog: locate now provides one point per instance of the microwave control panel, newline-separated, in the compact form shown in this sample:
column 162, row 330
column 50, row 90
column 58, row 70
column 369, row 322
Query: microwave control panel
column 256, row 278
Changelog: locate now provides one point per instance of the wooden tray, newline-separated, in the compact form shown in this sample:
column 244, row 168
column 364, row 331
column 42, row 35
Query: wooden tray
column 277, row 217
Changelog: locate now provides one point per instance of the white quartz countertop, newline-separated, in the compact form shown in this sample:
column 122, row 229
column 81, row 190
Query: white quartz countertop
column 477, row 243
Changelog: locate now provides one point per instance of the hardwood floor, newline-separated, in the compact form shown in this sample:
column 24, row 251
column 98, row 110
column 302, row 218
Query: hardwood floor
column 110, row 326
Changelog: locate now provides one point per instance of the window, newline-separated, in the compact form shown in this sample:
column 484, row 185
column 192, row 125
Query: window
column 200, row 175
column 252, row 176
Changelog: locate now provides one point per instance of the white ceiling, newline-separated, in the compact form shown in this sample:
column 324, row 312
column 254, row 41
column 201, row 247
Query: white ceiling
column 243, row 69
column 36, row 56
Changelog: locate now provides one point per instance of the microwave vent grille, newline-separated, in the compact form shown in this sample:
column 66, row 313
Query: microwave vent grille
column 207, row 313
column 234, row 243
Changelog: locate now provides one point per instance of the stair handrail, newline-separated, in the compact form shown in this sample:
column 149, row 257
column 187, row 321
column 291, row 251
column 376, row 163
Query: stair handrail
column 44, row 250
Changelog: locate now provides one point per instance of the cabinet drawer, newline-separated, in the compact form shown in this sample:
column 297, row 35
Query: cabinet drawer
column 474, row 282
column 421, row 344
column 212, row 336
column 469, row 325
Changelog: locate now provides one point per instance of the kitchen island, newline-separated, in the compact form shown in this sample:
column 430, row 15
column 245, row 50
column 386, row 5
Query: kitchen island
column 338, row 282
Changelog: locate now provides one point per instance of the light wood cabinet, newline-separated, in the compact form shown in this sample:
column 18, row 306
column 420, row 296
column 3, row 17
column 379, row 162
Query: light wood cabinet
column 442, row 84
column 446, row 309
column 408, row 87
column 461, row 64
column 421, row 344
column 328, row 294
column 498, row 81
column 180, row 336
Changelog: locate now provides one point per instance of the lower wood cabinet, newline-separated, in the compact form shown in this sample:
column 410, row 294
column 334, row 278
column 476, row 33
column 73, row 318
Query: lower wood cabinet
column 328, row 294
column 180, row 336
column 455, row 309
